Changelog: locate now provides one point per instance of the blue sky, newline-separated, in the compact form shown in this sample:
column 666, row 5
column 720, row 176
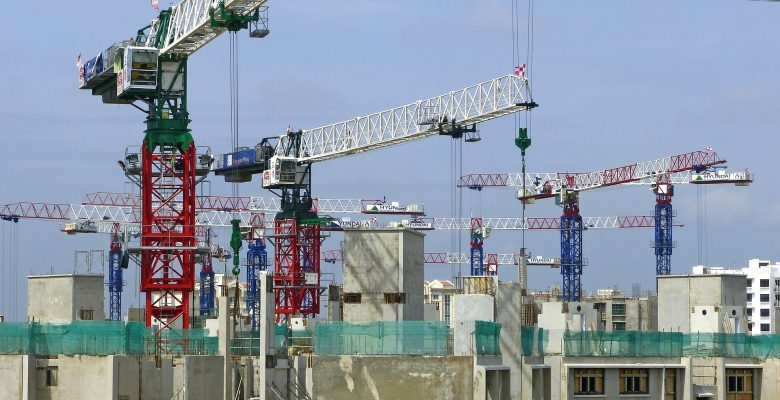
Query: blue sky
column 618, row 82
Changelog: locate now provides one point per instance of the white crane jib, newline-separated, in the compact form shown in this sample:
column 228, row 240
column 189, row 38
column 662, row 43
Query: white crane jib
column 437, row 115
column 471, row 105
column 189, row 27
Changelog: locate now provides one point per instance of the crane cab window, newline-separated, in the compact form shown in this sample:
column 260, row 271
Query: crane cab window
column 286, row 171
column 143, row 70
column 140, row 69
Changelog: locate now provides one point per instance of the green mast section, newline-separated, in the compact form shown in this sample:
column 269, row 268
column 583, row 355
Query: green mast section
column 221, row 18
column 235, row 244
column 167, row 124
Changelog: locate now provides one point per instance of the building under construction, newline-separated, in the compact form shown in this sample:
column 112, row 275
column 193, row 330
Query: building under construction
column 273, row 324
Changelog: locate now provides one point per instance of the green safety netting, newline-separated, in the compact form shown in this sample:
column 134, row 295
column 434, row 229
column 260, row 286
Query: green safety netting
column 622, row 344
column 732, row 345
column 533, row 340
column 14, row 338
column 281, row 336
column 101, row 338
column 487, row 337
column 670, row 344
column 382, row 338
column 245, row 343
column 183, row 341
column 79, row 337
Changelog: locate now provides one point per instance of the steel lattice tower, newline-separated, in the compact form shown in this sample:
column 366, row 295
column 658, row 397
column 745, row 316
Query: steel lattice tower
column 115, row 276
column 296, row 269
column 168, row 241
column 477, row 252
column 663, row 226
column 257, row 260
column 571, row 249
column 207, row 290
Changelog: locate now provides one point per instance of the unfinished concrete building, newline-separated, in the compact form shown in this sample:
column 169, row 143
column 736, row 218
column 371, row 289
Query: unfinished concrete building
column 620, row 313
column 383, row 275
column 61, row 299
column 702, row 303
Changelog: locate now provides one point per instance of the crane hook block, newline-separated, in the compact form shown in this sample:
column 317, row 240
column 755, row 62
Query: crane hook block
column 235, row 244
column 522, row 140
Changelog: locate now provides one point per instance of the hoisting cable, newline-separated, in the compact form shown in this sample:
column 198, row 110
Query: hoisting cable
column 235, row 239
column 523, row 140
column 460, row 200
column 453, row 184
column 2, row 266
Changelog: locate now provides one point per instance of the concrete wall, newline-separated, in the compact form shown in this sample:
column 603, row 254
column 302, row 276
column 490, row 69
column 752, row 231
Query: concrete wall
column 414, row 274
column 612, row 384
column 473, row 307
column 203, row 377
column 65, row 296
column 508, row 315
column 392, row 377
column 682, row 298
column 673, row 305
column 334, row 303
column 641, row 313
column 770, row 376
column 380, row 261
column 103, row 377
column 695, row 375
column 12, row 373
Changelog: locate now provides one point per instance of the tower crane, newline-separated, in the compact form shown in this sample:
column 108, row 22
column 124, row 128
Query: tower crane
column 285, row 164
column 461, row 258
column 119, row 212
column 662, row 186
column 257, row 255
column 566, row 187
column 150, row 73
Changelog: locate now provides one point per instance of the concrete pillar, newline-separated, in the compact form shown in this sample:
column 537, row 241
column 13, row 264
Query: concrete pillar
column 262, row 373
column 248, row 379
column 29, row 389
column 225, row 333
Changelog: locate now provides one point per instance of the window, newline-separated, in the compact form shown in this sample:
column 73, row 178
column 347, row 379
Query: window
column 777, row 297
column 588, row 381
column 395, row 298
column 87, row 315
column 749, row 312
column 739, row 384
column 750, row 327
column 618, row 326
column 670, row 386
column 764, row 312
column 777, row 282
column 633, row 381
column 447, row 308
column 764, row 327
column 764, row 283
column 51, row 376
column 436, row 297
column 749, row 282
column 618, row 309
column 765, row 297
column 354, row 298
column 749, row 297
